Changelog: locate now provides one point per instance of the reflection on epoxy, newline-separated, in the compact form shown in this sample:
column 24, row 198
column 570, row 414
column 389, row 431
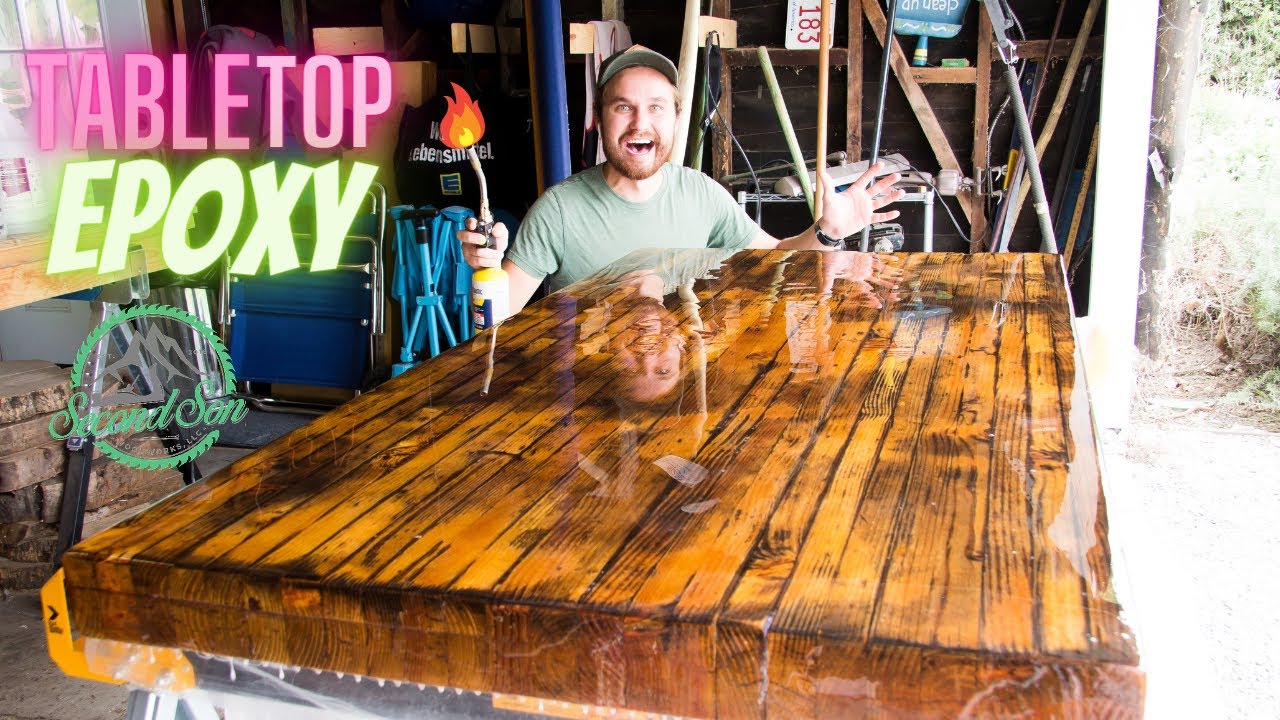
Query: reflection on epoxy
column 911, row 527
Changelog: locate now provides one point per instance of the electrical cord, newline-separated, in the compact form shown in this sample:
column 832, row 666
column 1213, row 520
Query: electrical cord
column 942, row 201
column 991, row 134
column 712, row 115
column 754, row 180
column 1004, row 105
column 1017, row 23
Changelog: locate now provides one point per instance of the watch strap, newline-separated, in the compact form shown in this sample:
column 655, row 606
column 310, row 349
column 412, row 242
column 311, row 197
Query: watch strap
column 826, row 239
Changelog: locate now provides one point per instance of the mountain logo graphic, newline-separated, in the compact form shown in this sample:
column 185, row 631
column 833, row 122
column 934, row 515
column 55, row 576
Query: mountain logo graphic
column 151, row 350
column 156, row 384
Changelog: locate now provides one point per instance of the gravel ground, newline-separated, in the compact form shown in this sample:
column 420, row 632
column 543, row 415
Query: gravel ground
column 1195, row 513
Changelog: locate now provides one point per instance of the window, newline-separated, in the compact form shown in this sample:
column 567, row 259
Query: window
column 28, row 26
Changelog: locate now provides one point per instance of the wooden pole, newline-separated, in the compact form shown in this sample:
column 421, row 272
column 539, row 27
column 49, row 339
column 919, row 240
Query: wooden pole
column 981, row 121
column 1177, row 54
column 788, row 132
column 687, row 71
column 296, row 27
column 530, row 47
column 824, row 77
column 853, row 86
column 1081, row 200
column 1059, row 102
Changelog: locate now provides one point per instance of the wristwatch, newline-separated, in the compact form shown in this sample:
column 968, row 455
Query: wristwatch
column 826, row 239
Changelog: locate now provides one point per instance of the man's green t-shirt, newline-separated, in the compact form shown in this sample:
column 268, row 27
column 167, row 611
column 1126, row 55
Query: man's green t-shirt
column 581, row 225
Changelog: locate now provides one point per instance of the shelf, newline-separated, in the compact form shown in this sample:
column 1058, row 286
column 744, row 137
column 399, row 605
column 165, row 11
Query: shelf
column 1035, row 49
column 945, row 75
column 747, row 57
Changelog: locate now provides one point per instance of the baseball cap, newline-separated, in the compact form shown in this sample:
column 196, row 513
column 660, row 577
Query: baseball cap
column 635, row 56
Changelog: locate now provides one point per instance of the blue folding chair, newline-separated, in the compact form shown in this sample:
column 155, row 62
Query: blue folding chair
column 431, row 281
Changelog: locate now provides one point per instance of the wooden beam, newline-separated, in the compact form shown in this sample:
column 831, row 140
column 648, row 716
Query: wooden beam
column 746, row 57
column 160, row 18
column 728, row 30
column 1065, row 86
column 981, row 119
column 297, row 29
column 481, row 39
column 853, row 86
column 484, row 39
column 348, row 40
column 915, row 96
column 722, row 149
column 582, row 39
column 394, row 35
column 1035, row 49
column 945, row 75
column 24, row 260
column 611, row 9
column 411, row 47
column 188, row 24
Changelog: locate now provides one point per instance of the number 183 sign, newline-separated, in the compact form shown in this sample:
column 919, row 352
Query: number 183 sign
column 804, row 17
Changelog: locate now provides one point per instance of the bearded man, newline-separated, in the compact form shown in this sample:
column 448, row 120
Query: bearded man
column 637, row 199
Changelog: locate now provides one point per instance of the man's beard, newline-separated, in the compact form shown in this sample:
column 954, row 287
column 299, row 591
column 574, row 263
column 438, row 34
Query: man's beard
column 633, row 167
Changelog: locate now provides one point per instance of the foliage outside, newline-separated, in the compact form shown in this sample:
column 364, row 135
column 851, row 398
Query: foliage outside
column 1241, row 45
column 1223, row 283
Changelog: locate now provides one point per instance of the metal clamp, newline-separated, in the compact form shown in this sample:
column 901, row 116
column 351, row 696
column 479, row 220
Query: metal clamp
column 1000, row 24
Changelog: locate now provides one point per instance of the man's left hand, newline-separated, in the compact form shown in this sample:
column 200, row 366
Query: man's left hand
column 846, row 213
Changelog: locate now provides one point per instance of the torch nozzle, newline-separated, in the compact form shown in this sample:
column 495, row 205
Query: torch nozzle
column 485, row 221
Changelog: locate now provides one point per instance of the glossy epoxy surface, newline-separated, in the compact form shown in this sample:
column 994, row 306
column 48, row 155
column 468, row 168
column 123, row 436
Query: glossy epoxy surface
column 698, row 483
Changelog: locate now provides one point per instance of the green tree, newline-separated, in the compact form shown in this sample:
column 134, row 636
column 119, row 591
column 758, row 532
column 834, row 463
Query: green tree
column 1241, row 46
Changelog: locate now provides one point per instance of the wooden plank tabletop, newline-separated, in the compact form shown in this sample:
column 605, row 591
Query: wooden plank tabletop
column 778, row 488
column 24, row 260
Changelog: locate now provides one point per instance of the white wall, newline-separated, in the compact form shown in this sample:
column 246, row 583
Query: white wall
column 1107, row 334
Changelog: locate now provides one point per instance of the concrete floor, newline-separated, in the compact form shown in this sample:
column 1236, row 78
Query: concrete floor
column 1196, row 549
column 1193, row 514
column 31, row 686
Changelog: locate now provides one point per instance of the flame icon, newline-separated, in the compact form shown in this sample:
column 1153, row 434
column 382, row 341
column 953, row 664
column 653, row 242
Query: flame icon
column 463, row 125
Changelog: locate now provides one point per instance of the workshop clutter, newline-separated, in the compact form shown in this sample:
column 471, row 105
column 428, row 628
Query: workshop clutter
column 32, row 464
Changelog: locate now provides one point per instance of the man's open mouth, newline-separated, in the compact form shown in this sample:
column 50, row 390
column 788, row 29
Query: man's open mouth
column 638, row 147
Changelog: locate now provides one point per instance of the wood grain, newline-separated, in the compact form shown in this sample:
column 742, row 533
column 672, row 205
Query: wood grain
column 981, row 121
column 853, row 83
column 722, row 148
column 945, row 75
column 24, row 261
column 780, row 490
